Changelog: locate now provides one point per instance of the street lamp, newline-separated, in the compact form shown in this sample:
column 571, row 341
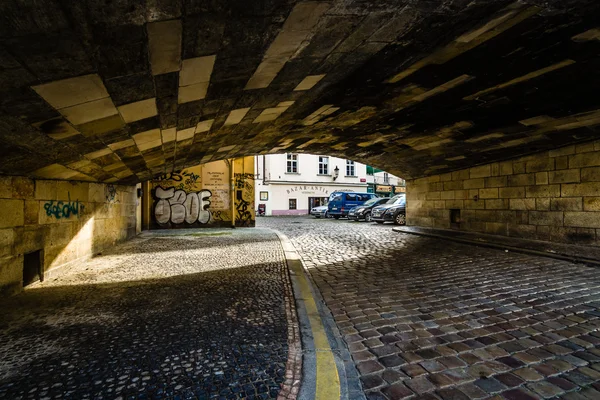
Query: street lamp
column 336, row 173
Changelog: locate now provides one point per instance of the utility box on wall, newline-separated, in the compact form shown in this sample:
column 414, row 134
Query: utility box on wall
column 201, row 196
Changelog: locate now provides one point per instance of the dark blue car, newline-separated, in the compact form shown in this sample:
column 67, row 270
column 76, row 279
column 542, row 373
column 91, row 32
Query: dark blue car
column 340, row 203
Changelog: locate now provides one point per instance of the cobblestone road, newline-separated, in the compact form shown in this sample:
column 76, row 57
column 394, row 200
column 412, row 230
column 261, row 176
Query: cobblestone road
column 432, row 319
column 167, row 315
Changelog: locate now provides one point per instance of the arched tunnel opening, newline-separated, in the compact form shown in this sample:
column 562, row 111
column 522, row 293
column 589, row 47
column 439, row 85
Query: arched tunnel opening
column 126, row 126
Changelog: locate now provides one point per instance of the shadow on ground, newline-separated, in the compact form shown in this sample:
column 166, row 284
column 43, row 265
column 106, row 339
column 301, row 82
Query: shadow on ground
column 199, row 335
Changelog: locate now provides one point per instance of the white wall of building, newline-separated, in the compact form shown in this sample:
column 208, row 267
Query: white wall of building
column 279, row 187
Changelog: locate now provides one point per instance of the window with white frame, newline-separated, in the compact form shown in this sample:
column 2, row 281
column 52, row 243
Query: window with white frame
column 323, row 165
column 350, row 171
column 386, row 177
column 292, row 163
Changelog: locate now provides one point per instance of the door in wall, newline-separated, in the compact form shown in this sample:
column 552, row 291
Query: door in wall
column 316, row 202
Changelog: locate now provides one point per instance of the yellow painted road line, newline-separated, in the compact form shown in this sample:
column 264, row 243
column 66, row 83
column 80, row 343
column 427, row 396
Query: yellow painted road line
column 328, row 381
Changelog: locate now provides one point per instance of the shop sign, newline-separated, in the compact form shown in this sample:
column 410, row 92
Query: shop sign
column 363, row 179
column 383, row 189
column 308, row 189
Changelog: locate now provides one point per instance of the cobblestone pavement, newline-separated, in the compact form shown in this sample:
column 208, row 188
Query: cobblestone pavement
column 432, row 319
column 177, row 315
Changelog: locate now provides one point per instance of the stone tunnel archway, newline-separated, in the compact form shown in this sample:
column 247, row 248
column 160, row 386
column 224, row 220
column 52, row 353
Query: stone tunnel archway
column 121, row 92
column 449, row 93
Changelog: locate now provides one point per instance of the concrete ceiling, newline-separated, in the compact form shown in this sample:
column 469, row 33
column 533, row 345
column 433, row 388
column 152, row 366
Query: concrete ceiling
column 124, row 90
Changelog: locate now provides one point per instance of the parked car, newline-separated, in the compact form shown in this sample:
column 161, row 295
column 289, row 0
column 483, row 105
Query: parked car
column 392, row 211
column 364, row 212
column 319, row 212
column 340, row 203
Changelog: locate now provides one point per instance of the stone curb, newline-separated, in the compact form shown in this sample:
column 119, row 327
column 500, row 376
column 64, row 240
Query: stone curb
column 290, row 388
column 499, row 246
column 350, row 386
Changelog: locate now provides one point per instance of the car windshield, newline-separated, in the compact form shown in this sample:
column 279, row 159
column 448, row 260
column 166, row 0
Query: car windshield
column 335, row 197
column 398, row 199
column 371, row 202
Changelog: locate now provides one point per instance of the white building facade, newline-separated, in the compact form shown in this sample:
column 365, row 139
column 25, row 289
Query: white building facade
column 293, row 183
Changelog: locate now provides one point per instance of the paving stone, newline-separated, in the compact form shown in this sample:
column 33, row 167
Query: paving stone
column 392, row 361
column 375, row 396
column 419, row 384
column 496, row 313
column 392, row 376
column 452, row 394
column 509, row 380
column 432, row 366
column 490, row 385
column 473, row 391
column 528, row 374
column 364, row 355
column 545, row 389
column 413, row 370
column 519, row 394
column 441, row 380
column 578, row 378
column 397, row 391
column 544, row 369
column 452, row 362
column 369, row 367
column 590, row 393
column 371, row 381
column 165, row 315
column 511, row 362
column 562, row 383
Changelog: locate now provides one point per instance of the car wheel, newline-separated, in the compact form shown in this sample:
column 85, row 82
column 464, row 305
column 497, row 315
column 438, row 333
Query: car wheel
column 379, row 222
column 400, row 219
column 368, row 217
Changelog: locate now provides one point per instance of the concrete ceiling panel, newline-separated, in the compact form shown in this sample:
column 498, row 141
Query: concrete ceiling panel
column 414, row 88
column 139, row 110
column 72, row 91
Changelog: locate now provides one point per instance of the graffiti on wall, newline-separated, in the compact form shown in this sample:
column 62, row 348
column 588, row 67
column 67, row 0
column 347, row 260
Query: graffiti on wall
column 176, row 206
column 221, row 215
column 244, row 195
column 110, row 193
column 62, row 209
column 184, row 180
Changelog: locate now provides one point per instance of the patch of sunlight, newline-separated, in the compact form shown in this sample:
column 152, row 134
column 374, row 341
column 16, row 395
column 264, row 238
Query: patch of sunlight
column 203, row 234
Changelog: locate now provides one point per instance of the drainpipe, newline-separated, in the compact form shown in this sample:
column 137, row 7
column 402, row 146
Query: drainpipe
column 264, row 170
column 232, row 178
column 146, row 205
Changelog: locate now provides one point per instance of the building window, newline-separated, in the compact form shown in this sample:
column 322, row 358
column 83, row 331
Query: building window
column 292, row 204
column 292, row 163
column 350, row 168
column 386, row 177
column 323, row 165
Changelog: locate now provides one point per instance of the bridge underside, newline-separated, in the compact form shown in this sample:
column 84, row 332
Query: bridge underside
column 122, row 91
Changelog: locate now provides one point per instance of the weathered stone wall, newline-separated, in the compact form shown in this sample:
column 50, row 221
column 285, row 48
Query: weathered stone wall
column 67, row 221
column 200, row 196
column 554, row 195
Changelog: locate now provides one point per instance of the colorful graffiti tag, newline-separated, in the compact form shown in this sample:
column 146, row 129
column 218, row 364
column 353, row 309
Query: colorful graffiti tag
column 186, row 179
column 62, row 209
column 176, row 206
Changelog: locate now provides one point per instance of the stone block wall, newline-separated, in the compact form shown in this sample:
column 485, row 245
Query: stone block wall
column 67, row 221
column 554, row 196
column 200, row 196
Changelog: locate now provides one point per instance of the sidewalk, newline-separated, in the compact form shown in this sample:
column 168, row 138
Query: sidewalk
column 571, row 252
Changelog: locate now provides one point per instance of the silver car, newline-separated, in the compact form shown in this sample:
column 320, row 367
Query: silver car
column 318, row 212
